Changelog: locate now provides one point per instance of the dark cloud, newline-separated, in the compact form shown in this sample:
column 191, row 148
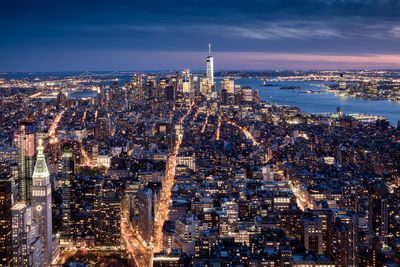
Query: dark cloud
column 295, row 26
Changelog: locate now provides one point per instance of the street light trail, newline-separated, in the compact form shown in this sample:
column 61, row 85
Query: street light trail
column 84, row 117
column 245, row 132
column 127, row 240
column 205, row 122
column 218, row 128
column 194, row 117
column 187, row 113
column 161, row 213
column 161, row 209
column 53, row 127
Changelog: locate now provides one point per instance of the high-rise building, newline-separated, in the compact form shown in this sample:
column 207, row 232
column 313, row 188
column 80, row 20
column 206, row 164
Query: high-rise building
column 103, row 128
column 228, row 85
column 169, row 93
column 108, row 215
column 26, row 159
column 61, row 99
column 100, row 95
column 339, row 245
column 187, row 160
column 223, row 96
column 26, row 244
column 186, row 82
column 6, row 200
column 312, row 233
column 145, row 215
column 205, row 86
column 152, row 78
column 137, row 85
column 379, row 209
column 41, row 203
column 342, row 82
column 210, row 66
column 67, row 173
column 186, row 229
column 168, row 234
column 247, row 94
column 119, row 95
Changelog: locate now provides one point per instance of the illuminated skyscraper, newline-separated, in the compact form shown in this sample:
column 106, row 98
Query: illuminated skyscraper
column 26, row 244
column 103, row 127
column 312, row 233
column 41, row 203
column 137, row 85
column 210, row 66
column 342, row 82
column 186, row 81
column 67, row 172
column 26, row 159
column 379, row 209
column 108, row 215
column 228, row 85
column 5, row 223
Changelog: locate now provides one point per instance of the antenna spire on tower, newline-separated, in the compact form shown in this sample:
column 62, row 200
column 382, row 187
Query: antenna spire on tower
column 209, row 49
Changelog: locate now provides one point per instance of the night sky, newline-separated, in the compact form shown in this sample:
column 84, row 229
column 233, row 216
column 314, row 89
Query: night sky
column 94, row 35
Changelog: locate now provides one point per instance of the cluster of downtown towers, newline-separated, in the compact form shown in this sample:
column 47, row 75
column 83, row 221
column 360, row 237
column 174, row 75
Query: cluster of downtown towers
column 29, row 240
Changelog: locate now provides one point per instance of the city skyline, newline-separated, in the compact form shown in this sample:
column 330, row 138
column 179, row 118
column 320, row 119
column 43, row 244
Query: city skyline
column 126, row 142
column 166, row 170
column 250, row 35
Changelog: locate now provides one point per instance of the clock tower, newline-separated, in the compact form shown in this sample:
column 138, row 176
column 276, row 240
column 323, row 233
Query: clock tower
column 41, row 203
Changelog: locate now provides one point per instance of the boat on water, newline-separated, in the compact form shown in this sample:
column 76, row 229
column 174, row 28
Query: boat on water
column 269, row 84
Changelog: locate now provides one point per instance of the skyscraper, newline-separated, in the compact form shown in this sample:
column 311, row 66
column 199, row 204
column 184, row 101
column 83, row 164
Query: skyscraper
column 145, row 214
column 41, row 203
column 103, row 127
column 108, row 215
column 228, row 85
column 312, row 233
column 5, row 223
column 67, row 172
column 210, row 66
column 26, row 159
column 26, row 243
column 379, row 209
column 186, row 81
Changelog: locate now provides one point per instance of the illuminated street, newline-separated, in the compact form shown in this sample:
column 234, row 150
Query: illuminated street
column 206, row 133
column 161, row 208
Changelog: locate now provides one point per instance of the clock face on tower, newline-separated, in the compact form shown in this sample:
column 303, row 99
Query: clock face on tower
column 39, row 208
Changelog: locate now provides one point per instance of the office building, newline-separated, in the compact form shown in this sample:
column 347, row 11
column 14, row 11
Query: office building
column 107, row 215
column 210, row 66
column 312, row 233
column 41, row 203
column 103, row 128
column 378, row 209
column 186, row 230
column 228, row 85
column 27, row 247
column 26, row 158
column 66, row 180
column 145, row 222
column 6, row 200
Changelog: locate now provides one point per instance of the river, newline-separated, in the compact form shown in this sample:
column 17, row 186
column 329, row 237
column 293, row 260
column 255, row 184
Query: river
column 320, row 103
